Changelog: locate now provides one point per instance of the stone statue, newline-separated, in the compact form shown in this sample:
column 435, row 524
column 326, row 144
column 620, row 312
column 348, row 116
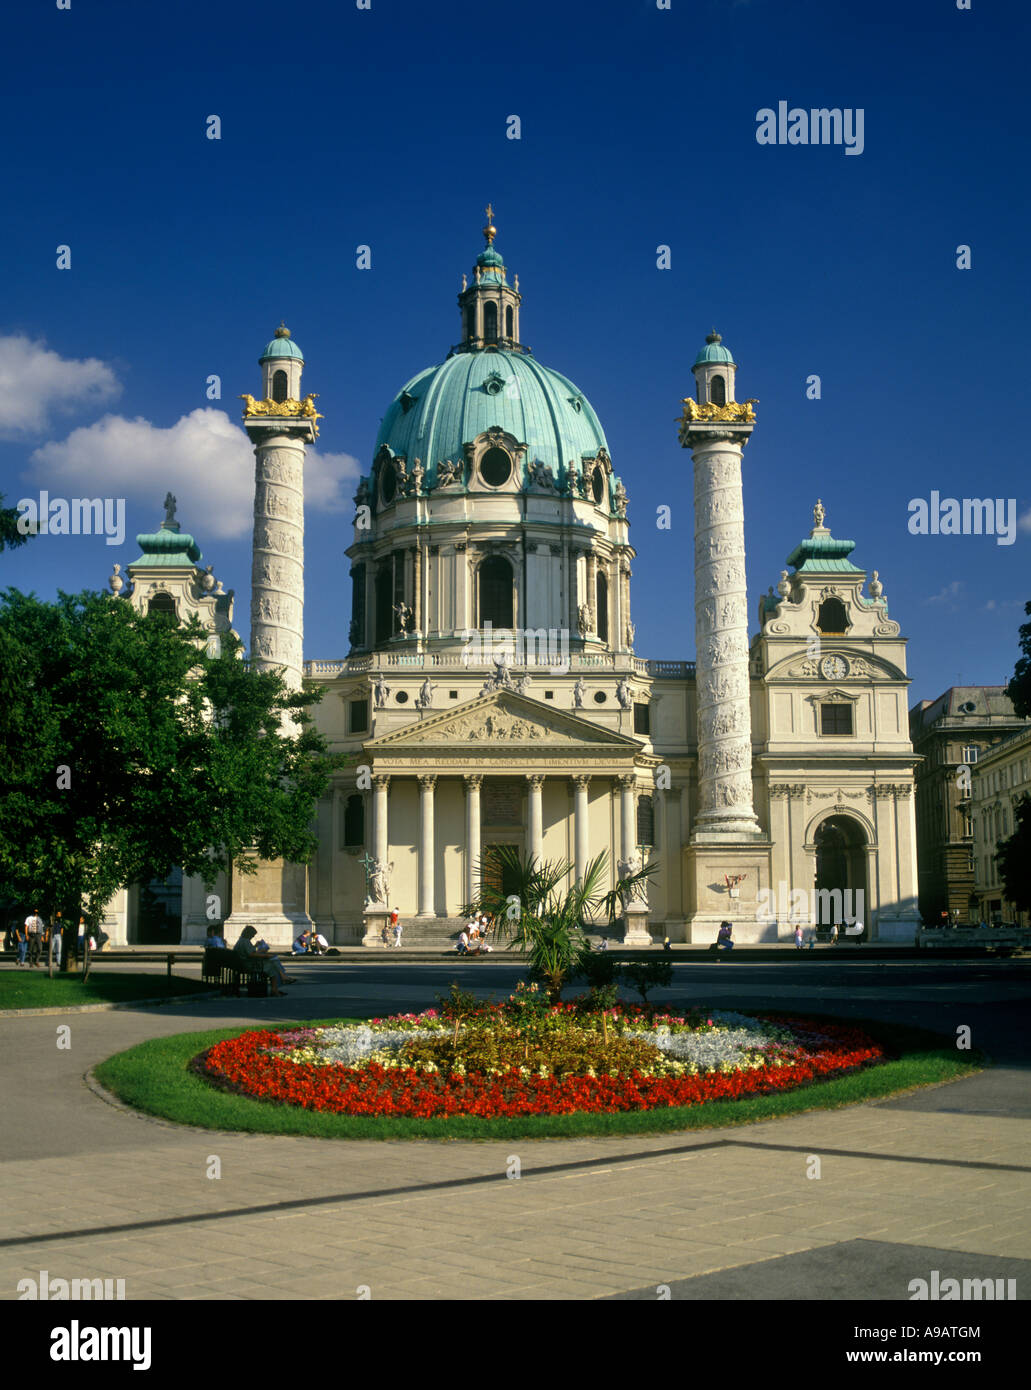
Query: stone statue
column 404, row 617
column 169, row 505
column 574, row 481
column 447, row 472
column 620, row 498
column 381, row 691
column 624, row 694
column 631, row 633
column 522, row 685
column 424, row 699
column 583, row 620
column 540, row 475
column 500, row 680
column 418, row 473
column 579, row 691
column 818, row 514
column 361, row 497
column 378, row 883
column 876, row 587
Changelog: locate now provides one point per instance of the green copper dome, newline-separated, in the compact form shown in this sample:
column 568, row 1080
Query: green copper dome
column 167, row 547
column 282, row 345
column 447, row 406
column 714, row 351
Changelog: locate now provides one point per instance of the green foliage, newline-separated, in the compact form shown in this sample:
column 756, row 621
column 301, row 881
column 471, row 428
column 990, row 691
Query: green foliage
column 126, row 749
column 10, row 536
column 646, row 975
column 1014, row 858
column 457, row 1003
column 544, row 919
column 1019, row 688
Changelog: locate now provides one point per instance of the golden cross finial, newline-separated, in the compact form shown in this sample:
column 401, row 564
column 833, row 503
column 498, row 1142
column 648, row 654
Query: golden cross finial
column 490, row 231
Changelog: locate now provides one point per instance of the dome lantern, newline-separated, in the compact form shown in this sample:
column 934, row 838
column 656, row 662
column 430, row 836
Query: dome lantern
column 714, row 369
column 281, row 364
column 489, row 305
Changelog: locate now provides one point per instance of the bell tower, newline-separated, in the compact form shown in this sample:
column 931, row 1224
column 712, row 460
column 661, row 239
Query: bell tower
column 489, row 306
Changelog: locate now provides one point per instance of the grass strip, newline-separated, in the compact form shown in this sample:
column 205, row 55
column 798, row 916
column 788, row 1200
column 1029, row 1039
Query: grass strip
column 28, row 989
column 153, row 1077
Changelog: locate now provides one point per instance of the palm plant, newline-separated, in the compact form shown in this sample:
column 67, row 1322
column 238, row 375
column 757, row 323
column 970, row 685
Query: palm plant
column 542, row 918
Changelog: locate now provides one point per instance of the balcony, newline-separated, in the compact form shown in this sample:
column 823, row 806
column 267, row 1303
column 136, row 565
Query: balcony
column 579, row 662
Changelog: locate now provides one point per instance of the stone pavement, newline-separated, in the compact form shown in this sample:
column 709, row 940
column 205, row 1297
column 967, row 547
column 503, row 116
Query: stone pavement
column 93, row 1191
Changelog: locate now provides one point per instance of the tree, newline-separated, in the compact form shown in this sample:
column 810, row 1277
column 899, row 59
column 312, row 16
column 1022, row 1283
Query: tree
column 126, row 749
column 1019, row 688
column 10, row 536
column 543, row 920
column 1013, row 857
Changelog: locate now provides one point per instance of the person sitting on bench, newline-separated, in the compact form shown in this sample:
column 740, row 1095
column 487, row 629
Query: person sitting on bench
column 259, row 954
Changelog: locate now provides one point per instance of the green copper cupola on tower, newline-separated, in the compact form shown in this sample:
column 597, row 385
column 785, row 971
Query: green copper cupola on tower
column 490, row 305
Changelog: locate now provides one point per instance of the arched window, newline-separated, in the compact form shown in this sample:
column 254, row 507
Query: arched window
column 496, row 592
column 833, row 618
column 718, row 391
column 162, row 605
column 470, row 321
column 384, row 602
column 354, row 822
column 602, row 604
column 509, row 321
column 279, row 386
column 490, row 322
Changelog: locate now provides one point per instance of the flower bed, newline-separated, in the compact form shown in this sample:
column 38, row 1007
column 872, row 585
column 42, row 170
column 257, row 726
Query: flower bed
column 521, row 1058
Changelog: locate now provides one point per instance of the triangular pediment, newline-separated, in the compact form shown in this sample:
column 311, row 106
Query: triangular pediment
column 504, row 718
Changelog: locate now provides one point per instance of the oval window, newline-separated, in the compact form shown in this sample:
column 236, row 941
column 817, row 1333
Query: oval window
column 495, row 467
column 598, row 485
column 388, row 483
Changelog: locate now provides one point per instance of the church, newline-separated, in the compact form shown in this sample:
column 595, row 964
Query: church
column 492, row 694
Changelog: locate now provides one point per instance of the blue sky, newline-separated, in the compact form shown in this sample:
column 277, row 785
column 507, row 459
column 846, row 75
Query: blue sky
column 387, row 127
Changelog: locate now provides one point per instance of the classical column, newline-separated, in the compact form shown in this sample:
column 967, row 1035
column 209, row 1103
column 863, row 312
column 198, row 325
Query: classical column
column 628, row 815
column 472, row 835
column 725, row 809
column 580, row 784
column 380, row 842
column 427, row 781
column 535, row 818
column 592, row 589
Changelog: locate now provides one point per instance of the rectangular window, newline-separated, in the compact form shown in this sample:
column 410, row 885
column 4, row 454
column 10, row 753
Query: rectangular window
column 835, row 720
column 642, row 719
column 359, row 717
column 970, row 753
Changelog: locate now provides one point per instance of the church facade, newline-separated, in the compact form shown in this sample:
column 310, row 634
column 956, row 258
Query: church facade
column 492, row 693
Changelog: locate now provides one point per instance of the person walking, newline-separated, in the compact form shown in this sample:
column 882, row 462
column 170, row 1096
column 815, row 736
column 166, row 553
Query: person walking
column 21, row 937
column 397, row 930
column 34, row 936
column 57, row 938
column 834, row 934
column 798, row 937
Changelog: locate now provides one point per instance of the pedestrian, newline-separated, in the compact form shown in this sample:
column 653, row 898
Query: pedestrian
column 834, row 934
column 397, row 930
column 214, row 939
column 21, row 937
column 798, row 937
column 666, row 945
column 34, row 936
column 57, row 938
column 723, row 939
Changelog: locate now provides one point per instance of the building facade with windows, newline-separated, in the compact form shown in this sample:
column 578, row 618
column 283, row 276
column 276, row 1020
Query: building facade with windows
column 492, row 693
column 952, row 736
column 1001, row 780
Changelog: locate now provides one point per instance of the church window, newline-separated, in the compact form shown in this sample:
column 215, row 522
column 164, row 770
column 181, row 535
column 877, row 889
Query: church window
column 388, row 483
column 642, row 718
column 490, row 322
column 970, row 753
column 359, row 717
column 599, row 697
column 354, row 822
column 279, row 386
column 407, row 401
column 602, row 597
column 385, row 602
column 496, row 467
column 163, row 605
column 835, row 720
column 496, row 592
column 645, row 821
column 598, row 485
column 718, row 391
column 509, row 321
column 833, row 618
column 358, row 606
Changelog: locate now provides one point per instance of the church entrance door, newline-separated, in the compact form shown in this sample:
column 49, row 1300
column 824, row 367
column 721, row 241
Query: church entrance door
column 500, row 877
column 840, row 872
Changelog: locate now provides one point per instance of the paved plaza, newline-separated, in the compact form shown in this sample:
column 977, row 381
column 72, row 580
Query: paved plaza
column 937, row 1180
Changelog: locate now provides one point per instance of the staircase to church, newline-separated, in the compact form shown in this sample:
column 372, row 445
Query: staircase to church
column 441, row 933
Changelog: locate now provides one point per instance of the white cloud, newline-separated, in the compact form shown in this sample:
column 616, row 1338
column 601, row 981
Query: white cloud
column 951, row 591
column 35, row 382
column 204, row 458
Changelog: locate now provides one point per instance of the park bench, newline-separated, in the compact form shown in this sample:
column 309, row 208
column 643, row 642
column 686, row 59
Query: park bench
column 226, row 968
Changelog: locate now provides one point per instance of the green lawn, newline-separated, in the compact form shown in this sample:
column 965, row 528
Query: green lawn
column 31, row 989
column 153, row 1077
